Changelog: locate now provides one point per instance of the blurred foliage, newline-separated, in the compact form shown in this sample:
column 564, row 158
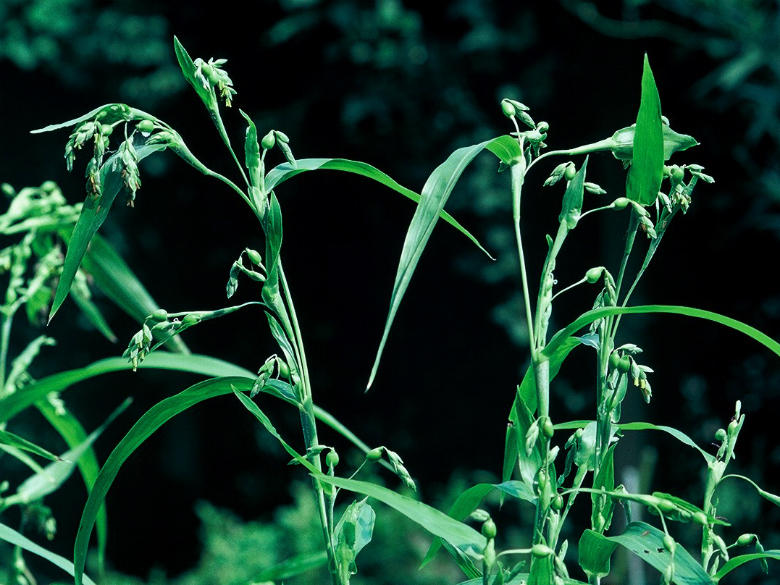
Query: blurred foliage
column 83, row 43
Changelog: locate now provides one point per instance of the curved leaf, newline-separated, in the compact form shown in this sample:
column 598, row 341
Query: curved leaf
column 12, row 536
column 435, row 192
column 679, row 435
column 595, row 551
column 647, row 161
column 470, row 499
column 646, row 542
column 285, row 171
column 460, row 535
column 152, row 420
column 293, row 567
column 735, row 562
column 13, row 404
column 595, row 314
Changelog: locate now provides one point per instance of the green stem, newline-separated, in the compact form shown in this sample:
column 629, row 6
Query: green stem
column 5, row 334
column 217, row 119
column 599, row 146
column 518, row 177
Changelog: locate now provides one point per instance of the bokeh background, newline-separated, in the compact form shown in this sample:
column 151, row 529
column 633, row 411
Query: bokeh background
column 400, row 85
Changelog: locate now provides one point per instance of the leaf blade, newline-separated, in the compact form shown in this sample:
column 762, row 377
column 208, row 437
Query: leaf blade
column 152, row 420
column 647, row 162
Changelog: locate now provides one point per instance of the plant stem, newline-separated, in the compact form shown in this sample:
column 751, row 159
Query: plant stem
column 309, row 427
column 518, row 177
column 5, row 334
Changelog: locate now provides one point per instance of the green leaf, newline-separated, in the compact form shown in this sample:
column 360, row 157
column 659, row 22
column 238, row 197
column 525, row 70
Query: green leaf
column 572, row 199
column 119, row 283
column 761, row 492
column 595, row 551
column 54, row 475
column 73, row 433
column 188, row 70
column 605, row 479
column 541, row 571
column 735, row 562
column 93, row 213
column 92, row 312
column 152, row 420
column 266, row 422
column 679, row 435
column 293, row 567
column 13, row 404
column 647, row 162
column 470, row 499
column 562, row 336
column 435, row 192
column 457, row 534
column 285, row 171
column 646, row 542
column 7, row 438
column 113, row 112
column 13, row 537
column 252, row 151
column 352, row 533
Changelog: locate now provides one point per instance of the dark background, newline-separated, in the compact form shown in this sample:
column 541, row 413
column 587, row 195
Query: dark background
column 400, row 85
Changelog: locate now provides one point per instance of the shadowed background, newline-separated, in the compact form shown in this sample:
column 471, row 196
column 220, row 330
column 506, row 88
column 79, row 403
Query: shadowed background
column 400, row 85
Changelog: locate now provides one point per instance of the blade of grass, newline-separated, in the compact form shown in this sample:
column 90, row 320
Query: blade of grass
column 13, row 537
column 435, row 192
column 285, row 171
column 152, row 420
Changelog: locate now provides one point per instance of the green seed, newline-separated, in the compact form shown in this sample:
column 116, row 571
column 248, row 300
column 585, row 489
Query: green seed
column 268, row 141
column 190, row 319
column 332, row 458
column 720, row 435
column 106, row 129
column 541, row 550
column 284, row 369
column 145, row 126
column 254, row 256
column 374, row 454
column 700, row 518
column 489, row 529
column 159, row 315
column 594, row 274
column 621, row 203
column 557, row 503
column 570, row 171
column 508, row 108
column 745, row 539
column 548, row 428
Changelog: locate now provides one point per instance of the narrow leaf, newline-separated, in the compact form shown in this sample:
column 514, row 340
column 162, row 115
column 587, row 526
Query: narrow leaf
column 13, row 537
column 293, row 567
column 679, row 435
column 152, row 420
column 470, row 499
column 735, row 562
column 647, row 162
column 13, row 404
column 113, row 112
column 54, row 475
column 73, row 433
column 434, row 196
column 285, row 171
column 562, row 336
column 8, row 438
column 457, row 534
column 92, row 312
column 119, row 283
column 93, row 214
column 571, row 208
